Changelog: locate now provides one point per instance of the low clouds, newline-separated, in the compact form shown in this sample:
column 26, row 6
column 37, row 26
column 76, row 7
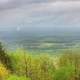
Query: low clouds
column 9, row 4
column 39, row 13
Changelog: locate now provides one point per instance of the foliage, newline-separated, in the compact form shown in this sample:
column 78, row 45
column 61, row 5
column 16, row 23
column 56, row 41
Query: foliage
column 4, row 58
column 14, row 77
column 64, row 73
column 4, row 73
column 71, row 58
column 26, row 66
column 35, row 67
column 42, row 67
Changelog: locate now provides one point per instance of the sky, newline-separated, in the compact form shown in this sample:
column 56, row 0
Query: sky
column 39, row 14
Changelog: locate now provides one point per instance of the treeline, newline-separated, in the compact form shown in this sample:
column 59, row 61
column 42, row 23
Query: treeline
column 21, row 65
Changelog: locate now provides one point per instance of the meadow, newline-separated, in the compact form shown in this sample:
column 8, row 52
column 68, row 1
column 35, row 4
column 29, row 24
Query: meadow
column 23, row 65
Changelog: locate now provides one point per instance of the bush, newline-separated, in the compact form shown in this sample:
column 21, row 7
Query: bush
column 35, row 67
column 73, row 59
column 64, row 73
column 41, row 67
column 4, row 73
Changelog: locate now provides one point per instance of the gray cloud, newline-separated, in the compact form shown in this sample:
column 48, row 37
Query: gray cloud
column 40, row 14
column 44, row 9
column 9, row 4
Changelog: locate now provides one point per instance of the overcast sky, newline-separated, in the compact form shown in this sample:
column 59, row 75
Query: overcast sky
column 39, row 14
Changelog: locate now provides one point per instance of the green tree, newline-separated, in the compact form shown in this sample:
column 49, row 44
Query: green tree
column 4, row 57
column 73, row 59
column 64, row 73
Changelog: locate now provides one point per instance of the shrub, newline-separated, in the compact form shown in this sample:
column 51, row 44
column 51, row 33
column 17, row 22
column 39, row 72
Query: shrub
column 73, row 59
column 64, row 73
column 3, row 72
column 35, row 67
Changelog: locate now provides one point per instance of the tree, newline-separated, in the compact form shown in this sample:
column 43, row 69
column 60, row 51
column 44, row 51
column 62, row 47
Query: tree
column 4, row 57
column 73, row 59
